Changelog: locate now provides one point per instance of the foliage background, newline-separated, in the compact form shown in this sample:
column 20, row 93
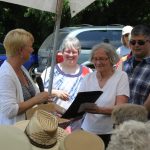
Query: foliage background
column 101, row 12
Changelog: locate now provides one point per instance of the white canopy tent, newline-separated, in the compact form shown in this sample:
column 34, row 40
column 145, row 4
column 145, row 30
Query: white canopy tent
column 50, row 5
column 54, row 6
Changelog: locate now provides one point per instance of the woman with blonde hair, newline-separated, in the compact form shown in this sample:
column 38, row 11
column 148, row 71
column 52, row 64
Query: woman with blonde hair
column 18, row 92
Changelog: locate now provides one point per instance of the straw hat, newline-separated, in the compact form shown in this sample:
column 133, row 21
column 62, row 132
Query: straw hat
column 82, row 140
column 42, row 131
column 50, row 107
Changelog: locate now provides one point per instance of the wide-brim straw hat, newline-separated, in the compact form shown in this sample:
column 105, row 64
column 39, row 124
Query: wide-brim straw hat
column 82, row 140
column 50, row 107
column 42, row 131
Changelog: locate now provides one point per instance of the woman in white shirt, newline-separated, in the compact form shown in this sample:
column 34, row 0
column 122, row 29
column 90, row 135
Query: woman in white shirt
column 18, row 92
column 115, row 87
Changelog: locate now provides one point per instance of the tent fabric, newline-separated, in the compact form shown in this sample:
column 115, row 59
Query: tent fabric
column 50, row 5
column 54, row 6
column 45, row 5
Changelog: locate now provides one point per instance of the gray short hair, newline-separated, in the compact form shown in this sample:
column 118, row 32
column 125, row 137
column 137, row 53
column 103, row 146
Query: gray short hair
column 71, row 42
column 110, row 52
column 141, row 30
column 131, row 135
column 125, row 112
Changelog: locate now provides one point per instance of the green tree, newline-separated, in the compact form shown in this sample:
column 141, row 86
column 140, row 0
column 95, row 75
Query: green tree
column 100, row 12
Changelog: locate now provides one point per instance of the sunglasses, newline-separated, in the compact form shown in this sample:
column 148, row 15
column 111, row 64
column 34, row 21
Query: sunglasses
column 139, row 42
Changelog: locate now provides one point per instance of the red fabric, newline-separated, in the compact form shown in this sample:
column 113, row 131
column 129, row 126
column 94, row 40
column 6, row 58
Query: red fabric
column 118, row 63
column 68, row 129
column 59, row 57
column 85, row 71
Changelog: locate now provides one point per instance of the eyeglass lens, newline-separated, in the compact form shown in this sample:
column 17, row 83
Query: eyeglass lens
column 100, row 58
column 139, row 42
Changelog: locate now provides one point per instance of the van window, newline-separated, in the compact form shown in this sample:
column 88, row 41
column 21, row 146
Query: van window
column 89, row 38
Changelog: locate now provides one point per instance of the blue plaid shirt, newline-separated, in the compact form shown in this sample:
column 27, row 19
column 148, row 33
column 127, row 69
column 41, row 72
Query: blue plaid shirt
column 139, row 79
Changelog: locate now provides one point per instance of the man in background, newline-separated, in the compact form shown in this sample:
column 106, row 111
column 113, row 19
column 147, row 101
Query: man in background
column 138, row 66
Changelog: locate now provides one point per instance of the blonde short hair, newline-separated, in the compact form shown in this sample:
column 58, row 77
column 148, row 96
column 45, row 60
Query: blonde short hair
column 16, row 39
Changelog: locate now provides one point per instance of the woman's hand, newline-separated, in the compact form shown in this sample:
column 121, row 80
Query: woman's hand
column 42, row 97
column 89, row 107
column 94, row 109
column 60, row 94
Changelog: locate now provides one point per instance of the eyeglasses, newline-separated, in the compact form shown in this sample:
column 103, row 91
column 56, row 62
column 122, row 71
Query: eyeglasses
column 100, row 59
column 139, row 42
column 69, row 52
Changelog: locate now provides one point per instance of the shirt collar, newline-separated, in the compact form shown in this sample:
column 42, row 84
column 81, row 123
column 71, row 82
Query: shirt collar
column 147, row 59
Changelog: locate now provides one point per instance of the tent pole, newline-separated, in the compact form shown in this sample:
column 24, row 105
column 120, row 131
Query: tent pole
column 59, row 7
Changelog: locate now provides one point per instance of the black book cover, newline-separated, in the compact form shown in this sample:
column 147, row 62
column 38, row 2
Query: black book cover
column 82, row 97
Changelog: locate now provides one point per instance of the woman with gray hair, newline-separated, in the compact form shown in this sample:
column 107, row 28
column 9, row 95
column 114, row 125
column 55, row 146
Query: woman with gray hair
column 115, row 87
column 131, row 135
column 67, row 74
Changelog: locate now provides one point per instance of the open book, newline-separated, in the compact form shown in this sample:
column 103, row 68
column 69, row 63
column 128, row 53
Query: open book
column 82, row 97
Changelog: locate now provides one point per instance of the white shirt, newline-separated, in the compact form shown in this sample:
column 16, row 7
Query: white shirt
column 11, row 94
column 123, row 51
column 116, row 85
column 66, row 82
